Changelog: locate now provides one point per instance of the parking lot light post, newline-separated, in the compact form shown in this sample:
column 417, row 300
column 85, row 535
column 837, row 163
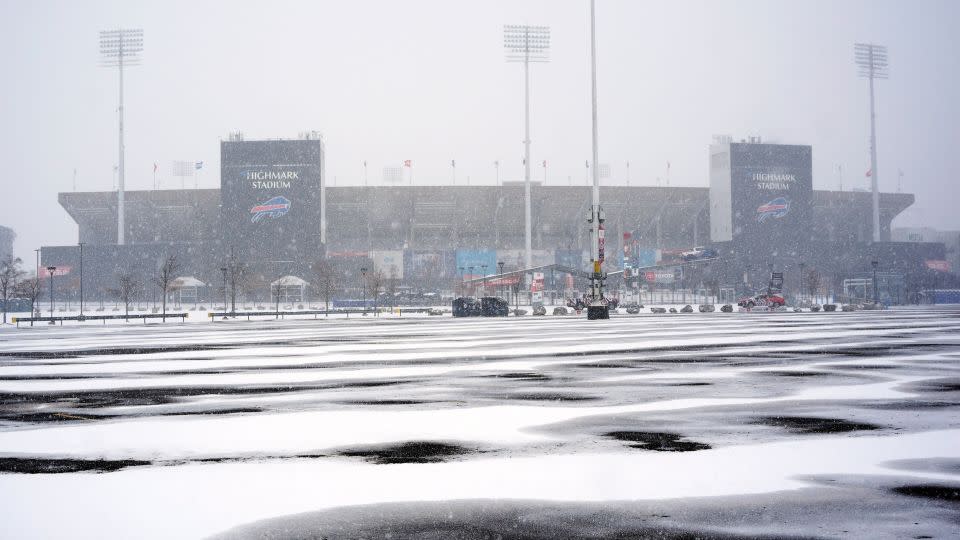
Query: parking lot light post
column 484, row 284
column 51, row 270
column 81, row 279
column 500, row 264
column 876, row 292
column 363, row 272
column 802, row 265
column 224, row 270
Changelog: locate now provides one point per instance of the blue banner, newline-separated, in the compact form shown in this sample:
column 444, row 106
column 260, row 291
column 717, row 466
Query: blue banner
column 476, row 263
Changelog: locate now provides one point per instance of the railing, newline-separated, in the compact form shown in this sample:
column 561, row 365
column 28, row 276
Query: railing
column 282, row 314
column 104, row 318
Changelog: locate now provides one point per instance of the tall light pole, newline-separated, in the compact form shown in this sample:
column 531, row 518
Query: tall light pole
column 120, row 48
column 876, row 294
column 525, row 43
column 872, row 61
column 80, row 244
column 363, row 272
column 224, row 271
column 598, row 308
column 51, row 270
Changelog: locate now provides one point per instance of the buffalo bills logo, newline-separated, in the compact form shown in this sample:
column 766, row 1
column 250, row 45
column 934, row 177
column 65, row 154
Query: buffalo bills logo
column 273, row 208
column 776, row 208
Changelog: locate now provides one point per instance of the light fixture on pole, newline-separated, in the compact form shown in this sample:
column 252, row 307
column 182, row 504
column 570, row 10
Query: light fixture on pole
column 525, row 43
column 872, row 61
column 121, row 48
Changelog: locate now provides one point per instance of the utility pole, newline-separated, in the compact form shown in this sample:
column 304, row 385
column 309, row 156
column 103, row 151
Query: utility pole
column 119, row 48
column 598, row 307
column 872, row 61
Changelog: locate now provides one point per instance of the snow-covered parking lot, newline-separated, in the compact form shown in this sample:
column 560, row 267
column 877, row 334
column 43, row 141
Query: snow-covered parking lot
column 763, row 424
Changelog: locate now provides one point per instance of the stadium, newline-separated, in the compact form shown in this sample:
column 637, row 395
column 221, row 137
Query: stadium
column 276, row 217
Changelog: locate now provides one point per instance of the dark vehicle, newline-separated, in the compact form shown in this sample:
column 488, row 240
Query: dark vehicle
column 488, row 306
column 466, row 307
column 491, row 306
column 770, row 300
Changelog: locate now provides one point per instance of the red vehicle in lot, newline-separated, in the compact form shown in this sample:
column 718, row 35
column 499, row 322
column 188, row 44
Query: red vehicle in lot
column 769, row 300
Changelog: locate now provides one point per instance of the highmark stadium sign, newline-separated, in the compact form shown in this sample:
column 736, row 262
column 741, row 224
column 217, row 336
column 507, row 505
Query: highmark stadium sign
column 270, row 196
column 271, row 179
column 774, row 181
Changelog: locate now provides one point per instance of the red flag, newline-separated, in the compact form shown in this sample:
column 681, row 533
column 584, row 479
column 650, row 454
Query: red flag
column 407, row 163
column 869, row 173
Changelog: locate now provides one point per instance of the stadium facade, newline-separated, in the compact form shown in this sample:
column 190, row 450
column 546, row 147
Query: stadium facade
column 276, row 215
column 7, row 236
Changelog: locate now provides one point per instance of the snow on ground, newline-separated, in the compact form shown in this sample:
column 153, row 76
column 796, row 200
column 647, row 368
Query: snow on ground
column 187, row 430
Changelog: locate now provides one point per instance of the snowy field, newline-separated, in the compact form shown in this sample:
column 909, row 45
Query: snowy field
column 718, row 425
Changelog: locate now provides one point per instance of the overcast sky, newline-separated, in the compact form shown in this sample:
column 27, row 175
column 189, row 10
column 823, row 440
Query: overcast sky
column 386, row 81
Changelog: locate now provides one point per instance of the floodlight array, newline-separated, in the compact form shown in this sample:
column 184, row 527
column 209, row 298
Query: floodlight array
column 121, row 46
column 526, row 43
column 871, row 60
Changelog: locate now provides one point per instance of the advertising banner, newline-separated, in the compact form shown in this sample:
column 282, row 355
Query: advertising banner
column 659, row 276
column 647, row 257
column 61, row 270
column 514, row 259
column 389, row 262
column 474, row 263
column 939, row 266
column 426, row 265
column 572, row 258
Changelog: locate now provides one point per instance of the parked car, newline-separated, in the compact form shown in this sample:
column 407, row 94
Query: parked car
column 769, row 300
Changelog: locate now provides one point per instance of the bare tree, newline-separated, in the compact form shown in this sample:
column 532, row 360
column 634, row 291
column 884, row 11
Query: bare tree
column 10, row 274
column 127, row 288
column 236, row 277
column 813, row 283
column 375, row 282
column 392, row 282
column 326, row 281
column 165, row 276
column 31, row 288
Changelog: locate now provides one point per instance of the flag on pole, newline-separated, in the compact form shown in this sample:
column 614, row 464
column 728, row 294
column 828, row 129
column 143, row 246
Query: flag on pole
column 544, row 164
column 198, row 165
column 869, row 173
column 407, row 163
column 154, row 168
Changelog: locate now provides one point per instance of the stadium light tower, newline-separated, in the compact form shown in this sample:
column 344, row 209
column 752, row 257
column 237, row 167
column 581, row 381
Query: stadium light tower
column 120, row 48
column 872, row 61
column 524, row 43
